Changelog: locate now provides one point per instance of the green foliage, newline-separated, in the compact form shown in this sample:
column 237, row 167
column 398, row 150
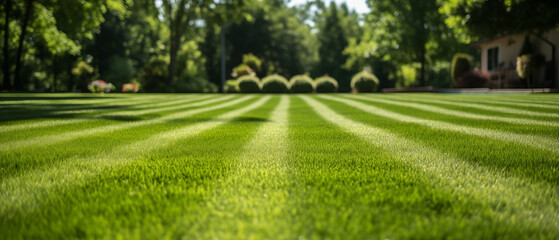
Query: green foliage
column 476, row 19
column 275, row 84
column 326, row 84
column 155, row 74
column 242, row 70
column 364, row 82
column 301, row 84
column 192, row 85
column 253, row 62
column 231, row 86
column 249, row 84
column 461, row 63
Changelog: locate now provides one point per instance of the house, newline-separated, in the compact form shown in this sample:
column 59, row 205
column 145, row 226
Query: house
column 498, row 57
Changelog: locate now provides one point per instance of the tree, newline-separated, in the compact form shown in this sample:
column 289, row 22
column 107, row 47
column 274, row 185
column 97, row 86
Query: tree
column 474, row 19
column 402, row 32
column 6, row 66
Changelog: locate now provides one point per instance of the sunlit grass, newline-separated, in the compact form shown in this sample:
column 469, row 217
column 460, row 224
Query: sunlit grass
column 279, row 167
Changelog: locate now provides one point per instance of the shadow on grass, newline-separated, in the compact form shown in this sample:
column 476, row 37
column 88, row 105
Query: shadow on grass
column 21, row 111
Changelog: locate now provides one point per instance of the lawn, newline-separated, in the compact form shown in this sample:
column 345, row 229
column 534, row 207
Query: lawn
column 338, row 166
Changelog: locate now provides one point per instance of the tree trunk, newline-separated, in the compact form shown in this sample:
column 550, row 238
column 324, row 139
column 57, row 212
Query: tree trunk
column 422, row 61
column 69, row 64
column 18, row 80
column 54, row 73
column 8, row 8
column 173, row 58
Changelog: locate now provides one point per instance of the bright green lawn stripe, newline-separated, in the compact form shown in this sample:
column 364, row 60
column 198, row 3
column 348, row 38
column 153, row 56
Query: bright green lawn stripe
column 444, row 111
column 442, row 104
column 350, row 189
column 50, row 139
column 155, row 197
column 21, row 161
column 508, row 158
column 251, row 202
column 147, row 109
column 24, row 193
column 473, row 99
column 536, row 130
column 532, row 203
column 421, row 98
column 529, row 140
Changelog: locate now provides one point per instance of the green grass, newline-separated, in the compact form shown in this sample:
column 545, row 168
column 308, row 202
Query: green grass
column 339, row 166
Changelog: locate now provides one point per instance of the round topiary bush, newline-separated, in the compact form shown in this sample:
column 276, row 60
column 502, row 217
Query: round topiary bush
column 326, row 84
column 461, row 64
column 301, row 84
column 364, row 82
column 275, row 84
column 231, row 86
column 248, row 84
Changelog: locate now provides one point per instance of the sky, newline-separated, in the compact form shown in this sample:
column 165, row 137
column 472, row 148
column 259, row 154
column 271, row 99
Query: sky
column 359, row 5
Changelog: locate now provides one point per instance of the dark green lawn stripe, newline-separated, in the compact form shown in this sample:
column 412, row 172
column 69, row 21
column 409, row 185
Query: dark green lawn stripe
column 21, row 161
column 460, row 114
column 152, row 197
column 528, row 205
column 508, row 158
column 50, row 139
column 545, row 143
column 484, row 110
column 409, row 110
column 24, row 193
column 140, row 110
column 498, row 103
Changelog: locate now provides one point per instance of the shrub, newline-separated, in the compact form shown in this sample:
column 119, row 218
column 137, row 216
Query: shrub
column 252, row 61
column 301, row 84
column 474, row 79
column 275, row 84
column 100, row 86
column 364, row 82
column 461, row 63
column 130, row 87
column 242, row 70
column 326, row 84
column 231, row 86
column 248, row 84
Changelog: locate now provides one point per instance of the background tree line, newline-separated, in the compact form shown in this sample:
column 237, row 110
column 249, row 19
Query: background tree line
column 174, row 45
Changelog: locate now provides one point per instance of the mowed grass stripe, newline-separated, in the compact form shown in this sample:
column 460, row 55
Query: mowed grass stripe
column 22, row 192
column 422, row 98
column 499, row 102
column 533, row 203
column 456, row 113
column 55, row 138
column 251, row 202
column 525, row 139
column 149, row 108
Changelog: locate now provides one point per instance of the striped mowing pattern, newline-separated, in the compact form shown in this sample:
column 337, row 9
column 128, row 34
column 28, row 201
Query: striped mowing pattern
column 529, row 140
column 394, row 166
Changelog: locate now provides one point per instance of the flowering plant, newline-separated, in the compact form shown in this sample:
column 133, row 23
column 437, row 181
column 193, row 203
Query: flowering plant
column 130, row 87
column 100, row 86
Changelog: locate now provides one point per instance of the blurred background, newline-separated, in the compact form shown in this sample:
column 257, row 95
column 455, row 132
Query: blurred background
column 196, row 45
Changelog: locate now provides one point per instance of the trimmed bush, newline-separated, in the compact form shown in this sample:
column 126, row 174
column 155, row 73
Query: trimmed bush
column 461, row 64
column 231, row 86
column 474, row 79
column 275, row 84
column 301, row 84
column 364, row 82
column 248, row 84
column 326, row 84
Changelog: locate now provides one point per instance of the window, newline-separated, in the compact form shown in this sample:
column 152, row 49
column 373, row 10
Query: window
column 492, row 58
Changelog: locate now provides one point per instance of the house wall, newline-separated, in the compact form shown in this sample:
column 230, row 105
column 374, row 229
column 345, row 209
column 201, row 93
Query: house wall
column 509, row 48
